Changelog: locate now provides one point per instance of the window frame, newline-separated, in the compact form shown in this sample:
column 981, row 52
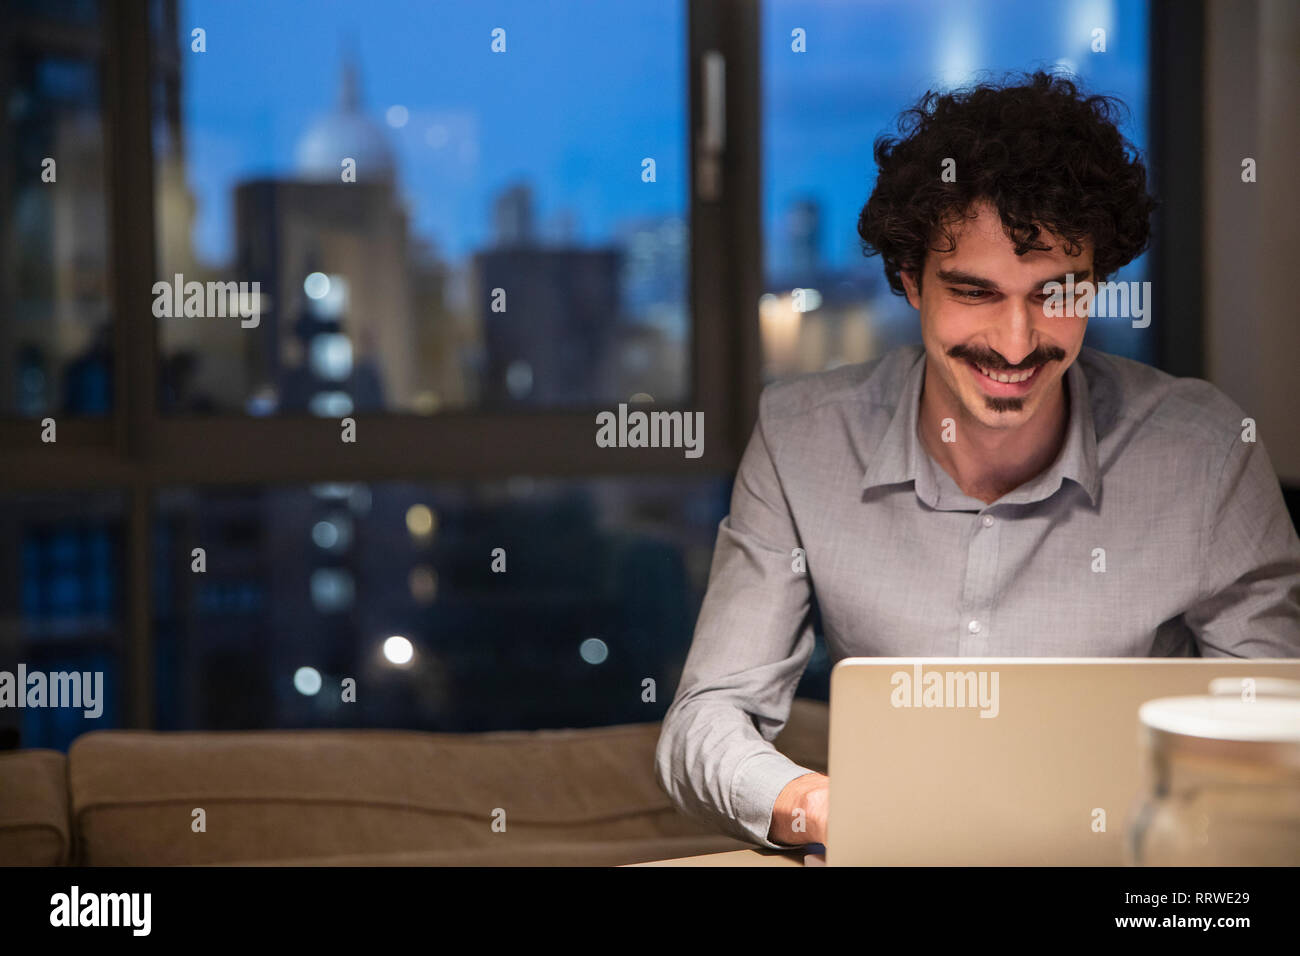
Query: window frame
column 138, row 450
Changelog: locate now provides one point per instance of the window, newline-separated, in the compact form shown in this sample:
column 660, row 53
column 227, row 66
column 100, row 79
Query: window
column 864, row 64
column 511, row 257
column 61, row 603
column 453, row 606
column 558, row 172
column 55, row 352
column 405, row 238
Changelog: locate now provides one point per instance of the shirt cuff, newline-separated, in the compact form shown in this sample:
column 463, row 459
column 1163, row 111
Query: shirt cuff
column 755, row 786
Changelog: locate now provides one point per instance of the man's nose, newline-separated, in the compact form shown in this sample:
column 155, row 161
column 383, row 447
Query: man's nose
column 1013, row 338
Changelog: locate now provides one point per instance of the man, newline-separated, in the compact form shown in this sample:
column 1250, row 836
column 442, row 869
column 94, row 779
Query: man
column 1002, row 491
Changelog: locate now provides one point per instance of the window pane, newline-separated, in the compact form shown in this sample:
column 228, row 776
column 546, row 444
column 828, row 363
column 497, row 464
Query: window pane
column 822, row 110
column 595, row 589
column 431, row 224
column 61, row 607
column 54, row 310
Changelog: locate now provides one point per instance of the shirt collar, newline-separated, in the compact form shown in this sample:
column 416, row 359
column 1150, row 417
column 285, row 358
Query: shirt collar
column 900, row 456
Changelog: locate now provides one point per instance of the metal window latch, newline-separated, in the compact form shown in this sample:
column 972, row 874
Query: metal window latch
column 712, row 139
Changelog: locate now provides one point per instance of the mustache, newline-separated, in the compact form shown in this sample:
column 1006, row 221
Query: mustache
column 996, row 363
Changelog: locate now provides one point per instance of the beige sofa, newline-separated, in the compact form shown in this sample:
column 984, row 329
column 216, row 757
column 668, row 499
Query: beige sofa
column 357, row 798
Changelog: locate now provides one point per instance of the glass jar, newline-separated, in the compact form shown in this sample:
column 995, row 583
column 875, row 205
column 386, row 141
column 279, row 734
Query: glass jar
column 1223, row 783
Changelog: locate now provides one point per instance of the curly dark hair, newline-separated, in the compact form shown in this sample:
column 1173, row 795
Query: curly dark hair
column 1040, row 151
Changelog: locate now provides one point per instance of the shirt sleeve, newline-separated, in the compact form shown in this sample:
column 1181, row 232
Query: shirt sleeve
column 1249, row 603
column 752, row 642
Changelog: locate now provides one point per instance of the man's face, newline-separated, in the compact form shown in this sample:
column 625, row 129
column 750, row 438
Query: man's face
column 982, row 307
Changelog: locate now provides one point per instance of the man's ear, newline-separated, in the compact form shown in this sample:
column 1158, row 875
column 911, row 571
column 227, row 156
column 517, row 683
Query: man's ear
column 913, row 289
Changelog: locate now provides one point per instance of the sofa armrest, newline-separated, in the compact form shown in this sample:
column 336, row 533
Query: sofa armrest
column 34, row 826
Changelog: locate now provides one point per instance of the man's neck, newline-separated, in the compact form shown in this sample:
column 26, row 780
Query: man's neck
column 987, row 463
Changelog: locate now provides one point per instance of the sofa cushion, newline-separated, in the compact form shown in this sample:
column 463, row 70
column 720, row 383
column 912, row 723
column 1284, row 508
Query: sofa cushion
column 34, row 825
column 273, row 794
column 294, row 795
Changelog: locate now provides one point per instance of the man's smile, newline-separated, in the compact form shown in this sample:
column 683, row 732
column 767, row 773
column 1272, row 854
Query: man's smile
column 1002, row 384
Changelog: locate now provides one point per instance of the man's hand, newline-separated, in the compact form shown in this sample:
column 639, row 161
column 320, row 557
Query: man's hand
column 799, row 815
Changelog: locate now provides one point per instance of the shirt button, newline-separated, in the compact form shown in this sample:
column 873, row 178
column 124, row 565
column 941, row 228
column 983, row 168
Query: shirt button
column 973, row 627
column 987, row 521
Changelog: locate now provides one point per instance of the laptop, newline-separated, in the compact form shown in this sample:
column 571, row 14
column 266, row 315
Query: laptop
column 1002, row 761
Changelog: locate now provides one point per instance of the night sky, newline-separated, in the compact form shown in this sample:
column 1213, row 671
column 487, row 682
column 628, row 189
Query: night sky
column 589, row 87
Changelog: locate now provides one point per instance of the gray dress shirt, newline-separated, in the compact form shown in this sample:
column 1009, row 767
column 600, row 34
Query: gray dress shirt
column 1157, row 531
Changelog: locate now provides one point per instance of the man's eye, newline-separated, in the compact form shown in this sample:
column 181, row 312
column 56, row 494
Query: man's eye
column 972, row 293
